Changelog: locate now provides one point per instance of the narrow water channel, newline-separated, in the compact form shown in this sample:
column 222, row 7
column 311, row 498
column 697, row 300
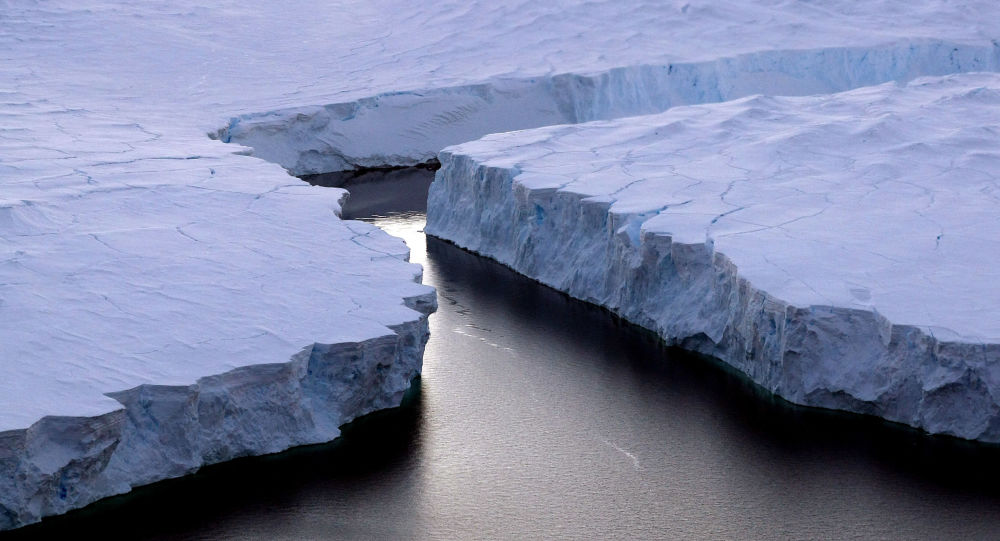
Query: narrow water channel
column 541, row 417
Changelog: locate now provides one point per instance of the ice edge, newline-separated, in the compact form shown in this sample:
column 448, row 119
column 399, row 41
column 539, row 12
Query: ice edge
column 692, row 296
column 63, row 463
column 412, row 126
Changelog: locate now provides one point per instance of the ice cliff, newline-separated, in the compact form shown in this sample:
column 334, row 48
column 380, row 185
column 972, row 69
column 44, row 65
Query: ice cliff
column 161, row 431
column 840, row 250
column 413, row 126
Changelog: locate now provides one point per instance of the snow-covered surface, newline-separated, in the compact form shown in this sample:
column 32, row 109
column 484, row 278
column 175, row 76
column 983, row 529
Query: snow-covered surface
column 143, row 267
column 841, row 249
column 166, row 303
column 138, row 251
column 316, row 86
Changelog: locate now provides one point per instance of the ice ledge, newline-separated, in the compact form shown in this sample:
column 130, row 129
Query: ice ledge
column 408, row 128
column 819, row 245
column 165, row 431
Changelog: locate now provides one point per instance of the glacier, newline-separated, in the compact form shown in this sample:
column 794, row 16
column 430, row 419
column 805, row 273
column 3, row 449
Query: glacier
column 170, row 297
column 840, row 250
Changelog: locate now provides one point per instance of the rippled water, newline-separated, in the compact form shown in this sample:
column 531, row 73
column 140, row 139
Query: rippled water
column 538, row 416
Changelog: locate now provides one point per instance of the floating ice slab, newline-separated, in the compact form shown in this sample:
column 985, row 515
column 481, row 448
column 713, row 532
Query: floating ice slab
column 841, row 250
column 167, row 304
column 114, row 275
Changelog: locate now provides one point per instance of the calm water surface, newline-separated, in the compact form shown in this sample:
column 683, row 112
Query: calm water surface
column 541, row 417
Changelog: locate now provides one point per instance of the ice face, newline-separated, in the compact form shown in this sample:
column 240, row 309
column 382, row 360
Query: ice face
column 838, row 249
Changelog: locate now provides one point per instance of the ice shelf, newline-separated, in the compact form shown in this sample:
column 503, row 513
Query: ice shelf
column 169, row 300
column 840, row 250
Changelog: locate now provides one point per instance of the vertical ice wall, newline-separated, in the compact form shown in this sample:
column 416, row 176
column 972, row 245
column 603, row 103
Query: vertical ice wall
column 165, row 431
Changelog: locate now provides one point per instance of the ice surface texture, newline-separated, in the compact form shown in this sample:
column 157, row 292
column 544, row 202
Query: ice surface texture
column 840, row 250
column 149, row 273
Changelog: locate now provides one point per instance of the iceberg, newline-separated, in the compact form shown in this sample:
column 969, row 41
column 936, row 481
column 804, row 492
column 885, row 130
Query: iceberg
column 840, row 250
column 165, row 311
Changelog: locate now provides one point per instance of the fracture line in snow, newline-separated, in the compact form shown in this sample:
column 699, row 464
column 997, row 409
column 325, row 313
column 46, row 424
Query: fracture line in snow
column 632, row 457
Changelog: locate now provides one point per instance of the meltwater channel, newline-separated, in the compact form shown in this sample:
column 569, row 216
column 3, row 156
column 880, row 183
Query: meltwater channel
column 541, row 417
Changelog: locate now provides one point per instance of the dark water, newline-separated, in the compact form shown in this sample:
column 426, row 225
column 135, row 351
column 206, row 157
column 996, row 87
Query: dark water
column 541, row 417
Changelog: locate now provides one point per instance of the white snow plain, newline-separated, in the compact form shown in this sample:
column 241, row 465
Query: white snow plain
column 840, row 250
column 138, row 252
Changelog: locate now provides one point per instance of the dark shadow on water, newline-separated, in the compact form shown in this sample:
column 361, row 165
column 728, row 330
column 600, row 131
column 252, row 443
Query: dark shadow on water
column 358, row 177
